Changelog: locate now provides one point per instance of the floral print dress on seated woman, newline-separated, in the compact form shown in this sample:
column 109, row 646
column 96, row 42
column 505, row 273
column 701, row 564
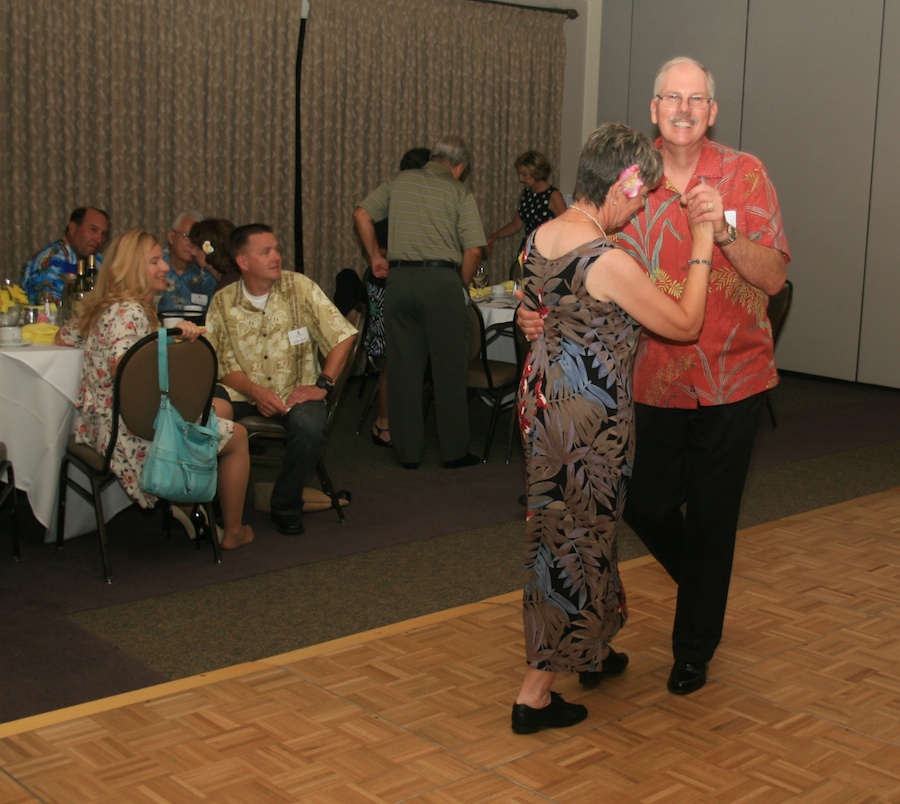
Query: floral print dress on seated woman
column 116, row 331
column 575, row 412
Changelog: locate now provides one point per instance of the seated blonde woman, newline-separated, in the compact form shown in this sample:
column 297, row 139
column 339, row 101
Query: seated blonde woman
column 116, row 315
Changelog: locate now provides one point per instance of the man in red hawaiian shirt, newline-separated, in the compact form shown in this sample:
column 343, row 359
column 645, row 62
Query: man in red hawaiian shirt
column 698, row 405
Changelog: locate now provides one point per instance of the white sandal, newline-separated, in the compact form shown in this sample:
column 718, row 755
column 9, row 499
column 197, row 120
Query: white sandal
column 184, row 520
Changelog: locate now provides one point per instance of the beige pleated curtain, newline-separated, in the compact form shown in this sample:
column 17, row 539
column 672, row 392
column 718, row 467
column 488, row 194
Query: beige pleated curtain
column 380, row 78
column 145, row 108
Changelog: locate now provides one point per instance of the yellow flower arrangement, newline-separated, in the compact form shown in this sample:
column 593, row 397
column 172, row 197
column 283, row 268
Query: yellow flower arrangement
column 11, row 295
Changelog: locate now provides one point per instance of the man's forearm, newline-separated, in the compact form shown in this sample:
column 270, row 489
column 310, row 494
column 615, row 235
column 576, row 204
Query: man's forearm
column 762, row 266
column 241, row 383
column 365, row 228
column 337, row 358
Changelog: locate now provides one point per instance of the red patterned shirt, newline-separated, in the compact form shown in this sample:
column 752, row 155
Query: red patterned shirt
column 733, row 358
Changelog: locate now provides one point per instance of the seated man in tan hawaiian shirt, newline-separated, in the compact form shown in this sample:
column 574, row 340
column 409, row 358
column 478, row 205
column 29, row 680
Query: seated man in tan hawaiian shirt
column 268, row 331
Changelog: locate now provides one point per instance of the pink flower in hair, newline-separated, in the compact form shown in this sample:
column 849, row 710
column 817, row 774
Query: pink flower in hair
column 632, row 183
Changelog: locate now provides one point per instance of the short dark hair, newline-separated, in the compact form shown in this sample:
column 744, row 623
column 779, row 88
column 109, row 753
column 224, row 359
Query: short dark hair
column 77, row 216
column 241, row 235
column 415, row 158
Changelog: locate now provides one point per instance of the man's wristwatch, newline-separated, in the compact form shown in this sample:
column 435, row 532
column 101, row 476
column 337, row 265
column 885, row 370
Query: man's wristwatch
column 730, row 236
column 326, row 384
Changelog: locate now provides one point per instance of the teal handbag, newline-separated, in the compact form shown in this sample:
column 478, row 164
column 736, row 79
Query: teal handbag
column 182, row 465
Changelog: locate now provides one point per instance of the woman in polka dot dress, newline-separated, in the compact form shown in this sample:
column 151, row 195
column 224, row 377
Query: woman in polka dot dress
column 540, row 201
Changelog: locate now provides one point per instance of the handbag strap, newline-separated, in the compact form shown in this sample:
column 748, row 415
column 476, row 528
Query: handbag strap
column 162, row 339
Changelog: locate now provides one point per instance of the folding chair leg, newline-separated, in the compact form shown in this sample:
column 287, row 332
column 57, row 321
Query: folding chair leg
column 512, row 433
column 61, row 504
column 368, row 408
column 495, row 414
column 97, row 491
column 328, row 488
column 10, row 493
column 214, row 533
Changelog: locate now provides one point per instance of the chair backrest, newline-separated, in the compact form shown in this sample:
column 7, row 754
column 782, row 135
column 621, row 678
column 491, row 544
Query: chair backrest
column 357, row 316
column 779, row 307
column 192, row 378
column 483, row 336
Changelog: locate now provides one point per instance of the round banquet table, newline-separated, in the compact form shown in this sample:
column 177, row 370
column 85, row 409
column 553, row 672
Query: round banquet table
column 38, row 387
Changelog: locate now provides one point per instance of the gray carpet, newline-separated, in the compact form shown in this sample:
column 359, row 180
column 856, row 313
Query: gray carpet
column 834, row 442
column 414, row 543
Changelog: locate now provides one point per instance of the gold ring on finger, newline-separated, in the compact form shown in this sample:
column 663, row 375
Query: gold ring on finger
column 709, row 206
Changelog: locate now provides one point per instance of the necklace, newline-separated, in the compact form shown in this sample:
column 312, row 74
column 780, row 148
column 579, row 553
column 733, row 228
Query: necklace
column 588, row 215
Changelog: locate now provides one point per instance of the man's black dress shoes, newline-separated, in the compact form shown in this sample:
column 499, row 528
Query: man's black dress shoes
column 288, row 524
column 466, row 460
column 557, row 715
column 687, row 677
column 613, row 665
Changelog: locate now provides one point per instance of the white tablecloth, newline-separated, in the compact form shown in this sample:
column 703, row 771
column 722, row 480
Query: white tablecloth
column 38, row 386
column 494, row 312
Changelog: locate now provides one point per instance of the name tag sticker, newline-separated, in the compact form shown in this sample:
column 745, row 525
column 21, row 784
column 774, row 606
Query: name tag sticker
column 298, row 336
column 199, row 298
column 731, row 216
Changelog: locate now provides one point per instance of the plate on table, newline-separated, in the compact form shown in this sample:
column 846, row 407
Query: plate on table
column 501, row 301
column 14, row 344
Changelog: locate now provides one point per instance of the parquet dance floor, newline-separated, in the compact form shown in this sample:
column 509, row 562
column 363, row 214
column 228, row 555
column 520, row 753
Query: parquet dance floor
column 803, row 702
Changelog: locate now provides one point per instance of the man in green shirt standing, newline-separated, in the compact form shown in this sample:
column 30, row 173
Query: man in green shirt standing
column 434, row 248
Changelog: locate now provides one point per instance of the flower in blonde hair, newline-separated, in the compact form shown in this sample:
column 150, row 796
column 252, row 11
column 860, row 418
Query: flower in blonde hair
column 208, row 248
column 632, row 183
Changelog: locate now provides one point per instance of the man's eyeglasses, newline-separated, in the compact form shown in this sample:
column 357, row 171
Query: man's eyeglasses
column 695, row 101
column 185, row 235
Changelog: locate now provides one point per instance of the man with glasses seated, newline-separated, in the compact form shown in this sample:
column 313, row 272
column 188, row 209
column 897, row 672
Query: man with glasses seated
column 697, row 406
column 187, row 283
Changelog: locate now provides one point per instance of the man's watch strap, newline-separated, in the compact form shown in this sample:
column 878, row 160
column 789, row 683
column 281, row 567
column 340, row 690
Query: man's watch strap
column 326, row 384
column 730, row 236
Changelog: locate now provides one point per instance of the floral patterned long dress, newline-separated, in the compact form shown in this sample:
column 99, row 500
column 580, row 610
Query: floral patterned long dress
column 576, row 416
column 116, row 331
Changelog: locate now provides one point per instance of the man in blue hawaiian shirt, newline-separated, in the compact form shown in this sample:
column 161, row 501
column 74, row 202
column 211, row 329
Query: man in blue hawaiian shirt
column 187, row 283
column 86, row 234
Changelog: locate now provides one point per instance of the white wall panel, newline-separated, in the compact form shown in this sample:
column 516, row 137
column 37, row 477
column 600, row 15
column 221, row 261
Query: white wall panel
column 810, row 92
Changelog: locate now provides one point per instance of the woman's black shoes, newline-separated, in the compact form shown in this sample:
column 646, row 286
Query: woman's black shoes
column 613, row 665
column 377, row 439
column 557, row 715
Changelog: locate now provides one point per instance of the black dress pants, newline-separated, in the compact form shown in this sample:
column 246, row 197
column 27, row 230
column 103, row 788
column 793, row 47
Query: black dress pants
column 426, row 318
column 683, row 503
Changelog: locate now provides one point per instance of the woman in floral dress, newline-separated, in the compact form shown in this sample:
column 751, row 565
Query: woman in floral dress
column 118, row 313
column 575, row 413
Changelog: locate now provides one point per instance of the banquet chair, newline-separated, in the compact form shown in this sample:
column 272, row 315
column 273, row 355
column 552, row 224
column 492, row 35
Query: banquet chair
column 495, row 378
column 8, row 499
column 192, row 376
column 779, row 307
column 263, row 427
